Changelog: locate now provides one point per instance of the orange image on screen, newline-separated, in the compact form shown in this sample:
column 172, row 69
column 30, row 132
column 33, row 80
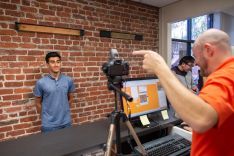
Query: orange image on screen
column 144, row 100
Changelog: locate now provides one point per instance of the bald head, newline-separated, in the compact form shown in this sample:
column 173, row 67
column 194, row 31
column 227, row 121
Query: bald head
column 211, row 49
column 215, row 37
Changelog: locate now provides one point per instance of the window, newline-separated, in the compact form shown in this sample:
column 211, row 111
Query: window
column 199, row 25
column 179, row 30
column 179, row 50
column 185, row 32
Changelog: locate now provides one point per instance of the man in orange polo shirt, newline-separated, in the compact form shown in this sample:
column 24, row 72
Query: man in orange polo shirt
column 211, row 114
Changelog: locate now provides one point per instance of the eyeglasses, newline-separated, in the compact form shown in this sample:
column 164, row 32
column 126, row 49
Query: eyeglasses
column 190, row 65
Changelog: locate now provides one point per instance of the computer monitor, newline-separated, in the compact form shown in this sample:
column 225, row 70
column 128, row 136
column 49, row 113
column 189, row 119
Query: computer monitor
column 148, row 96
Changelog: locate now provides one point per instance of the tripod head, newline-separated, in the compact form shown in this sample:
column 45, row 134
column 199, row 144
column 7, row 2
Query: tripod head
column 123, row 94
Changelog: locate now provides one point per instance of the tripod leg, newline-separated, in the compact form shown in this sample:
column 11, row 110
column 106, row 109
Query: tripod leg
column 110, row 140
column 133, row 133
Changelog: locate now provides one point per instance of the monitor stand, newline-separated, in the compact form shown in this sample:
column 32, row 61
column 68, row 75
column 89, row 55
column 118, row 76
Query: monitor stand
column 155, row 117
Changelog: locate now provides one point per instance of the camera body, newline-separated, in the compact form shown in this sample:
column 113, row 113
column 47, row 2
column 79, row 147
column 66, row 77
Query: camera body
column 115, row 66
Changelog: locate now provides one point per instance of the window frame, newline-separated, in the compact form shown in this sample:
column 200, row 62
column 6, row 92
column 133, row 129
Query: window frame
column 189, row 41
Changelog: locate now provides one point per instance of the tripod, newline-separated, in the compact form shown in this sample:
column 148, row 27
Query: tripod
column 116, row 115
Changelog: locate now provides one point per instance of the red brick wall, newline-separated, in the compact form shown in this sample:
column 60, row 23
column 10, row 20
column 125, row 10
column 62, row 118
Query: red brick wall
column 22, row 54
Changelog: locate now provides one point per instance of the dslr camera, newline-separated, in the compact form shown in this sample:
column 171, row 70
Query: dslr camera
column 115, row 66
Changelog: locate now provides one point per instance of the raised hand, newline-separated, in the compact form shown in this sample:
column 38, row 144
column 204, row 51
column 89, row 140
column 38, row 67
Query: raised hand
column 153, row 62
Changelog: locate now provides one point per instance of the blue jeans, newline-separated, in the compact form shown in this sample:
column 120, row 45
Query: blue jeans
column 50, row 129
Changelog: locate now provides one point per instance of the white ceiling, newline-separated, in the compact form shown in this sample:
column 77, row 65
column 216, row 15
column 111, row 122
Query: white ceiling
column 162, row 3
column 156, row 3
column 229, row 11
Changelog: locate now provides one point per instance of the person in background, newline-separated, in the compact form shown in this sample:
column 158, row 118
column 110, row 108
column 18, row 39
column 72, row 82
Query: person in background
column 184, row 74
column 54, row 95
column 200, row 80
column 211, row 114
column 196, row 76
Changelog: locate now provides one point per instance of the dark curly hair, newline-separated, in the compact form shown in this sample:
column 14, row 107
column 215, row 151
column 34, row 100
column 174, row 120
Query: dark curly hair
column 186, row 60
column 52, row 54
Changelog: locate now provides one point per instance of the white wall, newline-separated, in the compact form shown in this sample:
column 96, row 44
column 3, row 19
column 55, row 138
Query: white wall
column 182, row 10
column 232, row 50
column 225, row 22
column 227, row 25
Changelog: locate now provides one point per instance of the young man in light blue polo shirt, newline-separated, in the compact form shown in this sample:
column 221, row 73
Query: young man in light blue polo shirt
column 54, row 95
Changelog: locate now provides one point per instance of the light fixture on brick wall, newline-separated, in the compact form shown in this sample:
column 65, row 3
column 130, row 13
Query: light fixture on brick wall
column 48, row 29
column 120, row 35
